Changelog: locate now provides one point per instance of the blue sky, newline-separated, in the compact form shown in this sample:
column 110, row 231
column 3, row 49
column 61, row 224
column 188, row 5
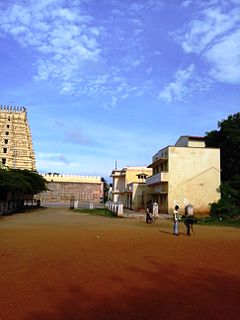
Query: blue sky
column 107, row 80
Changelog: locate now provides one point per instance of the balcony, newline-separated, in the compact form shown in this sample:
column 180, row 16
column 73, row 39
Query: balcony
column 157, row 178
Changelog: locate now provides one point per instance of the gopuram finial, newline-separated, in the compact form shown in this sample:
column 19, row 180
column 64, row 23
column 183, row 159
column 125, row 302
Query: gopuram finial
column 10, row 108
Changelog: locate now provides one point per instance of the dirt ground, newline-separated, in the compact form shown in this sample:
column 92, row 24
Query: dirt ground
column 60, row 265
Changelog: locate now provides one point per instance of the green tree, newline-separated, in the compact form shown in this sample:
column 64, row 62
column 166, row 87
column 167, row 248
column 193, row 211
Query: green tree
column 105, row 190
column 229, row 204
column 20, row 181
column 227, row 138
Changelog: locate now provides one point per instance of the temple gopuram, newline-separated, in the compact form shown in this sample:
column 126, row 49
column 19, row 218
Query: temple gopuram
column 16, row 147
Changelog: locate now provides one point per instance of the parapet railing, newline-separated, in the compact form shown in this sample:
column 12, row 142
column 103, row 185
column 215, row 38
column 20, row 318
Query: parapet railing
column 12, row 108
column 116, row 207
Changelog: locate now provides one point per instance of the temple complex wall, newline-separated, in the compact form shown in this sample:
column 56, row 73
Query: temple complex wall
column 63, row 188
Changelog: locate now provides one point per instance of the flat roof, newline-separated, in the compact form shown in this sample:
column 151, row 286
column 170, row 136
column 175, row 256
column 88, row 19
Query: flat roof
column 158, row 161
column 193, row 137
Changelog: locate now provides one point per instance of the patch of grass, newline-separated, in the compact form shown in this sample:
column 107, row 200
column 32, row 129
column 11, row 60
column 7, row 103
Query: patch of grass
column 219, row 221
column 97, row 212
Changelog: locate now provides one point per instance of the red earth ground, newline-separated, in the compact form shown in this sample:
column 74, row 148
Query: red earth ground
column 60, row 265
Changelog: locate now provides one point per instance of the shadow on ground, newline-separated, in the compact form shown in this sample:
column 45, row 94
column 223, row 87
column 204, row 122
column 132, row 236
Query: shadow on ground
column 163, row 294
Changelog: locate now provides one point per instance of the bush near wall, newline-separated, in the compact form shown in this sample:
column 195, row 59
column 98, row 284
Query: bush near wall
column 228, row 207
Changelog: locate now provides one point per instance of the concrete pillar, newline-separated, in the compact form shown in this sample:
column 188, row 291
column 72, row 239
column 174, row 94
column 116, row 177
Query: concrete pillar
column 75, row 204
column 120, row 210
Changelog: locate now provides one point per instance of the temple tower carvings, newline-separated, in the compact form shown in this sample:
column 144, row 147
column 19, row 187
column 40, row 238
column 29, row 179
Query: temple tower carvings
column 16, row 147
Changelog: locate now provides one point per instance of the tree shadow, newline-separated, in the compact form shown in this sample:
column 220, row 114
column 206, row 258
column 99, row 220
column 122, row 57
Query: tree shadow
column 162, row 293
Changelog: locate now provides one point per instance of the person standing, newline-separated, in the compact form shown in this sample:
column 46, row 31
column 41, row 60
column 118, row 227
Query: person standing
column 188, row 225
column 189, row 219
column 175, row 220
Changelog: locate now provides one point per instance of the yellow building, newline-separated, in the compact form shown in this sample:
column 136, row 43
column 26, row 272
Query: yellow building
column 16, row 148
column 187, row 172
column 129, row 186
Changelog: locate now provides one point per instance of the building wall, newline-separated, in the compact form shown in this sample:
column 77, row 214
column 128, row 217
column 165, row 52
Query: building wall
column 16, row 148
column 62, row 188
column 133, row 172
column 185, row 173
column 118, row 185
column 62, row 192
column 137, row 196
column 194, row 177
column 196, row 144
column 163, row 153
column 121, row 180
column 189, row 141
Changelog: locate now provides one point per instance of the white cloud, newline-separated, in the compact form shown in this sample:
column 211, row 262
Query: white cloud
column 79, row 54
column 64, row 36
column 186, row 3
column 215, row 36
column 208, row 30
column 225, row 58
column 136, row 7
column 180, row 87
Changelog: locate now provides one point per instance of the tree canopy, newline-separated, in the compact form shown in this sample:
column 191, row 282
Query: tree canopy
column 23, row 181
column 227, row 138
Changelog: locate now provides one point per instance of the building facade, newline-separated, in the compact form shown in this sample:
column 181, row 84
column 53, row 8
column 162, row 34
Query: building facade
column 16, row 147
column 128, row 186
column 65, row 188
column 187, row 172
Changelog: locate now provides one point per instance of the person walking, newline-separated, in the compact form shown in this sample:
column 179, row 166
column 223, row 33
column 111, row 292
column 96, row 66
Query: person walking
column 148, row 216
column 175, row 220
column 188, row 225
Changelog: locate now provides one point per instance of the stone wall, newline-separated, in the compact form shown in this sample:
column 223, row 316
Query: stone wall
column 62, row 192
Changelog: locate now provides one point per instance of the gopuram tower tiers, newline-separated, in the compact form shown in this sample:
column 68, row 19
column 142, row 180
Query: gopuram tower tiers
column 16, row 147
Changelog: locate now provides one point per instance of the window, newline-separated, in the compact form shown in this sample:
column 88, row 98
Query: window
column 7, row 133
column 6, row 141
column 142, row 176
column 8, row 126
column 4, row 150
column 4, row 160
